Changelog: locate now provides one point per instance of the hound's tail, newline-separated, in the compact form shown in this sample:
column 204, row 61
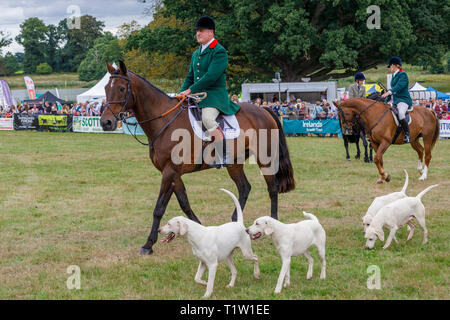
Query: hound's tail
column 311, row 216
column 406, row 182
column 240, row 216
column 420, row 195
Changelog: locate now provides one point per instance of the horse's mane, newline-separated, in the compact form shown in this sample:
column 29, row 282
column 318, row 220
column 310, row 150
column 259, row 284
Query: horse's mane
column 150, row 84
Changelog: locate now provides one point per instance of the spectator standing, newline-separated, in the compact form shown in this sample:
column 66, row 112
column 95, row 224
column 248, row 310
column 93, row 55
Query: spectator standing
column 316, row 111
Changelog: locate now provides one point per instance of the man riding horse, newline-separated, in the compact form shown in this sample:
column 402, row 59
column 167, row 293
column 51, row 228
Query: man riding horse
column 207, row 73
column 400, row 92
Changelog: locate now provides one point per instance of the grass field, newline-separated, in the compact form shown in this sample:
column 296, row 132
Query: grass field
column 87, row 200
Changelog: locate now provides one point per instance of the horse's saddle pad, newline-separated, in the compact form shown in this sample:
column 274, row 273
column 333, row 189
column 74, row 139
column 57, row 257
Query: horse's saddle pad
column 407, row 116
column 228, row 123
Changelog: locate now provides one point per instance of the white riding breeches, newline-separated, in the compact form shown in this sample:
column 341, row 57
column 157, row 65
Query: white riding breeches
column 402, row 108
column 209, row 116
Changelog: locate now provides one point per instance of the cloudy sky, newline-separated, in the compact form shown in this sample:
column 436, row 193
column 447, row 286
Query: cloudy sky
column 112, row 12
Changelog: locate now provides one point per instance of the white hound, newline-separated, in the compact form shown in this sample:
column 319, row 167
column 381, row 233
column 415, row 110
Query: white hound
column 380, row 202
column 292, row 240
column 395, row 215
column 214, row 244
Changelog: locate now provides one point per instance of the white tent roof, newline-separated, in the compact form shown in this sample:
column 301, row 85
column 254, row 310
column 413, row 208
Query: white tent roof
column 97, row 91
column 417, row 87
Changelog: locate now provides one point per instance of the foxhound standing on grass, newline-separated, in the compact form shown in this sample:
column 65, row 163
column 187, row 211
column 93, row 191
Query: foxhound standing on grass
column 214, row 244
column 292, row 240
column 380, row 202
column 395, row 215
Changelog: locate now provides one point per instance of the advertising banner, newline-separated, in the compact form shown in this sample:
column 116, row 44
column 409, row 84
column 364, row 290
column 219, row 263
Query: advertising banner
column 311, row 126
column 25, row 121
column 445, row 129
column 55, row 123
column 92, row 125
column 6, row 124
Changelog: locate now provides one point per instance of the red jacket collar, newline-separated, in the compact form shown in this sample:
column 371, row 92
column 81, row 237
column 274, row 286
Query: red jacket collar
column 213, row 44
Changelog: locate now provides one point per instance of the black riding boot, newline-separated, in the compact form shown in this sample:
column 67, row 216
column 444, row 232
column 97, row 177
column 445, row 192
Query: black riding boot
column 405, row 128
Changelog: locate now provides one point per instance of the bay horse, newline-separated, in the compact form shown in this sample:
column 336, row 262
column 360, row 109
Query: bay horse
column 156, row 113
column 379, row 124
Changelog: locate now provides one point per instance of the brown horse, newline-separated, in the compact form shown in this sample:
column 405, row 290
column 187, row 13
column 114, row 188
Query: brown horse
column 159, row 116
column 380, row 126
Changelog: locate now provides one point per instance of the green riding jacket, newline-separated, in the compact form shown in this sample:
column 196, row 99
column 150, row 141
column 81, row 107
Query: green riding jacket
column 207, row 73
column 400, row 88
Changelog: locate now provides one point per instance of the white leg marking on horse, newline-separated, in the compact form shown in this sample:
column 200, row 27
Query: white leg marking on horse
column 419, row 166
column 424, row 174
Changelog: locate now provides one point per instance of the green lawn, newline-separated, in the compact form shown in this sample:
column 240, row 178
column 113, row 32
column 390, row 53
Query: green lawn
column 87, row 200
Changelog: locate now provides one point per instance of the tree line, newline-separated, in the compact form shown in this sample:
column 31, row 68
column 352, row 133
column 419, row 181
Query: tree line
column 61, row 48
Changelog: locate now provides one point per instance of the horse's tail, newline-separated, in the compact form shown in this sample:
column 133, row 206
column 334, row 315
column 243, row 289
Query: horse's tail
column 437, row 129
column 285, row 173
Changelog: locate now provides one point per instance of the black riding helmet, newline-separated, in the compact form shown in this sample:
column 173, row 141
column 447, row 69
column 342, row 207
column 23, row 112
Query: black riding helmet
column 395, row 60
column 205, row 22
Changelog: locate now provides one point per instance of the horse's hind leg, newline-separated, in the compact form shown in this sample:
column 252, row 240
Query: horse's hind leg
column 415, row 144
column 427, row 159
column 272, row 187
column 237, row 174
column 180, row 192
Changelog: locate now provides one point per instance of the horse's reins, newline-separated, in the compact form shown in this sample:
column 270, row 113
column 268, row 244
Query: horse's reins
column 120, row 116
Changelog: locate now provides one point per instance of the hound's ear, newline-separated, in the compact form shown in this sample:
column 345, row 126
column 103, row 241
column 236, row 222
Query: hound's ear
column 111, row 69
column 380, row 234
column 122, row 67
column 268, row 228
column 183, row 228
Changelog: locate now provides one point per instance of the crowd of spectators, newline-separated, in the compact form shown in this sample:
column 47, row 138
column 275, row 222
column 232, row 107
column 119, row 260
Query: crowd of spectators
column 301, row 110
column 88, row 109
column 439, row 106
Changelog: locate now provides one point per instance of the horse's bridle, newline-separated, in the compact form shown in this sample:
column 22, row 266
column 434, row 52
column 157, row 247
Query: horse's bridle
column 124, row 102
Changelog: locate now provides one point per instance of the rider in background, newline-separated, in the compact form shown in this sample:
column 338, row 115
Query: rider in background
column 358, row 90
column 400, row 93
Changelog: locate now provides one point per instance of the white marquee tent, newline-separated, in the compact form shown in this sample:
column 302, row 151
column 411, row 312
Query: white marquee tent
column 97, row 91
column 417, row 91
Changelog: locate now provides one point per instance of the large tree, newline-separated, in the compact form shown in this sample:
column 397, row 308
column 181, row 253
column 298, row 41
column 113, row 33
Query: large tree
column 318, row 39
column 77, row 41
column 93, row 67
column 32, row 37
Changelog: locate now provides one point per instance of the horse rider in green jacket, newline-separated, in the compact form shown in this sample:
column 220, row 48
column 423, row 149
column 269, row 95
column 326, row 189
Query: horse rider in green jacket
column 207, row 73
column 400, row 92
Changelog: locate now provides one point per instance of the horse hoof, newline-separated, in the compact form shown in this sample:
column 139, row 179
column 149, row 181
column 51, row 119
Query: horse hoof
column 348, row 159
column 388, row 178
column 379, row 181
column 145, row 251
